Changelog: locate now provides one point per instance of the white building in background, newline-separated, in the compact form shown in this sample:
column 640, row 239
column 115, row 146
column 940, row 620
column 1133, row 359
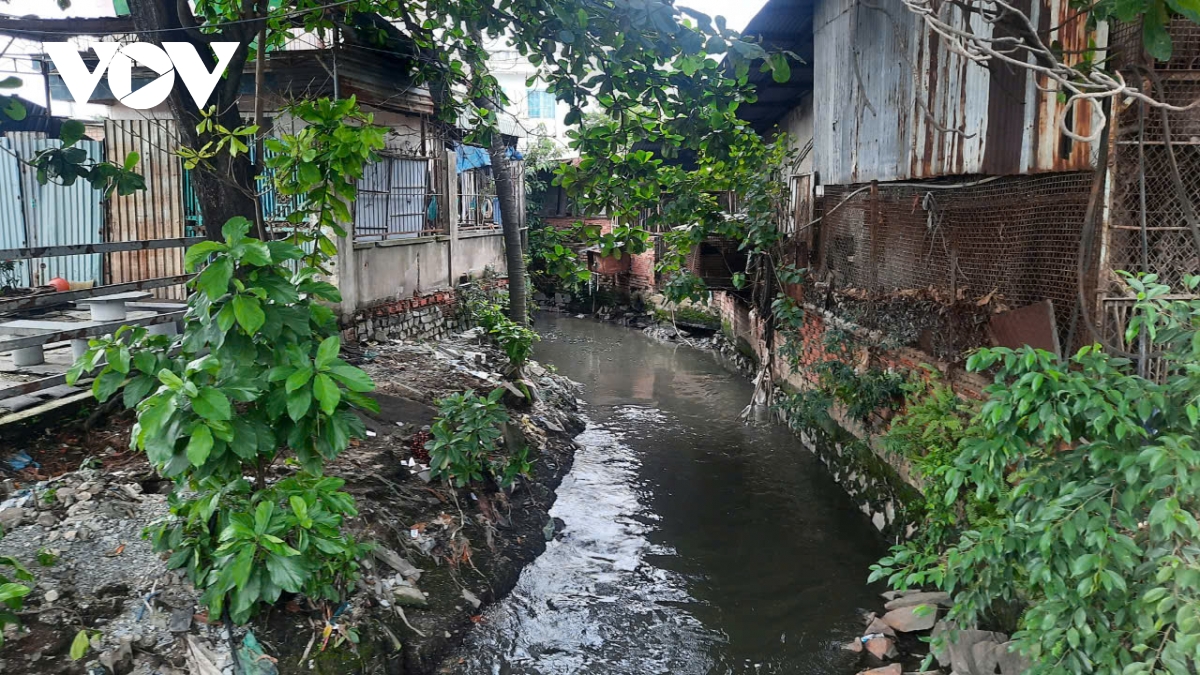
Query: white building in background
column 535, row 111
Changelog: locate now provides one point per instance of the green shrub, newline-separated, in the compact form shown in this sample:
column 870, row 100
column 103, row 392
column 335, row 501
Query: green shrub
column 463, row 447
column 254, row 380
column 863, row 394
column 243, row 546
column 1093, row 472
column 488, row 311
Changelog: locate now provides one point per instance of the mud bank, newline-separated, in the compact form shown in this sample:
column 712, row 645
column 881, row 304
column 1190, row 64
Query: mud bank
column 441, row 556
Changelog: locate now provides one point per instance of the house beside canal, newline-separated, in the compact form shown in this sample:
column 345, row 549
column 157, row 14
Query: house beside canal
column 938, row 205
column 426, row 187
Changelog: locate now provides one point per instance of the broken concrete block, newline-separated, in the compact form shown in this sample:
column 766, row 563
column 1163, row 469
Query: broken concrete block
column 882, row 648
column 911, row 619
column 913, row 599
column 409, row 596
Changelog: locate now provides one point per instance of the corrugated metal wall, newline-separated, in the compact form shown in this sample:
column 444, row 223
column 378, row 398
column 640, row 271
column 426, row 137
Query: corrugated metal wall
column 12, row 219
column 154, row 213
column 892, row 103
column 56, row 215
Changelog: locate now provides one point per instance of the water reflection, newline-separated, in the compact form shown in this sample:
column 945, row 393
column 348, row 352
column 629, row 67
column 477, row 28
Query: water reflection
column 693, row 544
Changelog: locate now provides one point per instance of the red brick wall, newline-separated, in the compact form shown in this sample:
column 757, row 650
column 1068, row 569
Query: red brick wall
column 641, row 271
column 420, row 317
column 747, row 325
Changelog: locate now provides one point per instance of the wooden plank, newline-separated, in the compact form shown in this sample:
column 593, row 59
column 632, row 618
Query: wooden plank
column 105, row 247
column 26, row 327
column 52, row 299
column 33, row 386
column 86, row 332
column 35, row 28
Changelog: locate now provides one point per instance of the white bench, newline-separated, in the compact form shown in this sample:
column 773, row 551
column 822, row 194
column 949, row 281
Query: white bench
column 35, row 355
column 112, row 307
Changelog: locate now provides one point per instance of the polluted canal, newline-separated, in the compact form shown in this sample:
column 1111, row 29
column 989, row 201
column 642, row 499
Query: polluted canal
column 690, row 543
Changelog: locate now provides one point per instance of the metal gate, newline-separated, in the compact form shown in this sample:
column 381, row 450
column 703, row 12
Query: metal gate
column 394, row 200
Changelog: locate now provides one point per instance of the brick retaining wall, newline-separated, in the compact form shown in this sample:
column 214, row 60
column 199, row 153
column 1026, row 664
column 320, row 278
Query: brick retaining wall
column 421, row 317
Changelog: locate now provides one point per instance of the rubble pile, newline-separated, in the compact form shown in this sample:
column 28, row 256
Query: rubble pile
column 439, row 553
column 910, row 620
column 80, row 534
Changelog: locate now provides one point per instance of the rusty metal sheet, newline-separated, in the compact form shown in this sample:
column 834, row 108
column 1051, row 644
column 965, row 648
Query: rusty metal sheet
column 154, row 213
column 893, row 103
column 1032, row 325
column 56, row 214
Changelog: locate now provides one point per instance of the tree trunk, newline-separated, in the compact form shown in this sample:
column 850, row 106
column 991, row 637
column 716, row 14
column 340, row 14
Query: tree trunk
column 225, row 186
column 507, row 182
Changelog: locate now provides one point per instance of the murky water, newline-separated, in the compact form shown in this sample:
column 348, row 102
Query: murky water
column 694, row 544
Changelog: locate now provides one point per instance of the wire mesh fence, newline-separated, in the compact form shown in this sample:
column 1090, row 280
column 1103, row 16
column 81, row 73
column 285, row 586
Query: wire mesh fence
column 1001, row 243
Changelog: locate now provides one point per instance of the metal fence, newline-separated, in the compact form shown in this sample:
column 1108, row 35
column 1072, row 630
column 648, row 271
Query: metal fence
column 1157, row 164
column 1007, row 242
column 478, row 205
column 158, row 212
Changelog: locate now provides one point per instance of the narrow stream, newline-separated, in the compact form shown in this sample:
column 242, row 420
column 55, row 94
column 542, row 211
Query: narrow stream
column 693, row 545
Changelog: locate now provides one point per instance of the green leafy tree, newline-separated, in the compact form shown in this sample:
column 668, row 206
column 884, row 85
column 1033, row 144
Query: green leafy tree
column 254, row 380
column 1091, row 475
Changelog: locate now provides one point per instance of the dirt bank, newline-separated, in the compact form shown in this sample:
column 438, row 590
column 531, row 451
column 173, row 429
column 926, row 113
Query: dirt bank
column 441, row 554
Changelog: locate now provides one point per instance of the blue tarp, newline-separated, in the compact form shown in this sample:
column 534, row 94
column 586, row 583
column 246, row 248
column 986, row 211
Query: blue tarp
column 474, row 157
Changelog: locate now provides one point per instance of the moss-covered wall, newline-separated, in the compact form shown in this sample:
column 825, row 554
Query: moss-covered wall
column 883, row 485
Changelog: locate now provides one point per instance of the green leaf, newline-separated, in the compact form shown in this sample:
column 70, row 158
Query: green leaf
column 354, row 378
column 1155, row 38
column 211, row 404
column 298, row 379
column 1188, row 8
column 235, row 230
column 781, row 70
column 198, row 253
column 262, row 516
column 214, row 280
column 298, row 403
column 13, row 108
column 300, row 508
column 10, row 591
column 79, row 646
column 256, row 253
column 107, row 384
column 327, row 352
column 327, row 392
column 249, row 313
column 200, row 445
column 287, row 572
column 71, row 132
column 10, row 82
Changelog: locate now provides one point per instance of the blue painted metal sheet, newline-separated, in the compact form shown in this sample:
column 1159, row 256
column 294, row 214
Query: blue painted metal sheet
column 57, row 215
